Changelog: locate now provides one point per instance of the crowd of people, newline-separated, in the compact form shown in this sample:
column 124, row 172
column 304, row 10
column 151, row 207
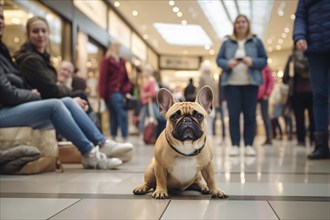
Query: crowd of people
column 36, row 94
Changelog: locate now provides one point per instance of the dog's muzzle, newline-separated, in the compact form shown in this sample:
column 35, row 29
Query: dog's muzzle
column 187, row 129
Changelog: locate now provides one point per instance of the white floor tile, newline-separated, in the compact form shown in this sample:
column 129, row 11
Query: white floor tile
column 218, row 209
column 32, row 208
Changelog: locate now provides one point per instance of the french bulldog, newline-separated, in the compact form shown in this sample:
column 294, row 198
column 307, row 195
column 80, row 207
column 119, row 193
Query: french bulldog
column 183, row 154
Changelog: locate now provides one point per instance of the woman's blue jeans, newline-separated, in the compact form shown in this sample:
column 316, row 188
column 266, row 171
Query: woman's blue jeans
column 319, row 65
column 242, row 99
column 118, row 115
column 64, row 114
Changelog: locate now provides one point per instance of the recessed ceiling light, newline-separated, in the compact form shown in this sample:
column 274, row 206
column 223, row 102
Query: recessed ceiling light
column 280, row 41
column 116, row 4
column 293, row 16
column 283, row 35
column 207, row 47
column 183, row 22
column 190, row 35
column 269, row 60
column 179, row 14
column 171, row 3
column 280, row 13
column 278, row 47
column 286, row 30
column 145, row 36
column 176, row 9
column 135, row 13
column 211, row 52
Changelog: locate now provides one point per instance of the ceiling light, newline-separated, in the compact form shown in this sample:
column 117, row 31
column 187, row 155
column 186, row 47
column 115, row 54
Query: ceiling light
column 183, row 22
column 116, row 4
column 190, row 35
column 207, row 47
column 171, row 3
column 211, row 52
column 280, row 13
column 280, row 41
column 283, row 35
column 179, row 14
column 145, row 36
column 269, row 60
column 278, row 47
column 176, row 9
column 293, row 16
column 286, row 30
column 135, row 13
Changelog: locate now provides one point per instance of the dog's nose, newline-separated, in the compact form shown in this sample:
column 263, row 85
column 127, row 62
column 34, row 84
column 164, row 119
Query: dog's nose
column 186, row 119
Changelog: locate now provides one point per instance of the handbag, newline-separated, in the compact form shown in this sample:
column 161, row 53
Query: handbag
column 130, row 102
column 149, row 133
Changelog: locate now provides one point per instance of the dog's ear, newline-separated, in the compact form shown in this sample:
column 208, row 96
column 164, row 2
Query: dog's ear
column 165, row 100
column 205, row 98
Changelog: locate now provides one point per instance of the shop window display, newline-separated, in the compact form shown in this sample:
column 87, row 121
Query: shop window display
column 17, row 13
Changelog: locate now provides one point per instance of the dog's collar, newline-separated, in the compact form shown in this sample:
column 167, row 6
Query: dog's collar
column 196, row 152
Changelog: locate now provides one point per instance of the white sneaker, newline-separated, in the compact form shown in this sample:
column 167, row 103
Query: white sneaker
column 234, row 151
column 115, row 149
column 98, row 160
column 249, row 151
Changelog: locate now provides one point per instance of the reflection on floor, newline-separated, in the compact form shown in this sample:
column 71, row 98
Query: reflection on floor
column 279, row 183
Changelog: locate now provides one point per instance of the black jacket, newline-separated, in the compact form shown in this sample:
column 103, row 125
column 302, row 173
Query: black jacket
column 39, row 73
column 13, row 90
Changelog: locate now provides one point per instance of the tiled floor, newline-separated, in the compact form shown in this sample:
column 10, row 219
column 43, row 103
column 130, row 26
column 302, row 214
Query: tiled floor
column 280, row 183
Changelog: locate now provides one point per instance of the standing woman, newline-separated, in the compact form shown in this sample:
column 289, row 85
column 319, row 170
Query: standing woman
column 114, row 85
column 242, row 57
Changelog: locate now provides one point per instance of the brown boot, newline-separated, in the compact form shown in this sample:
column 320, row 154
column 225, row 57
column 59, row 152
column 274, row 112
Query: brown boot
column 321, row 150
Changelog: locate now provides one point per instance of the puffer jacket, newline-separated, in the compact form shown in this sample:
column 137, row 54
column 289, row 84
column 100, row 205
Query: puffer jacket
column 312, row 23
column 254, row 48
column 13, row 90
column 39, row 73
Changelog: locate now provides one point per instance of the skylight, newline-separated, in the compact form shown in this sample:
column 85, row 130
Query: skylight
column 222, row 14
column 183, row 35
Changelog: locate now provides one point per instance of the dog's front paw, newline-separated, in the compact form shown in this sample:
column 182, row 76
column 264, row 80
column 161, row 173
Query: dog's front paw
column 140, row 190
column 160, row 194
column 219, row 194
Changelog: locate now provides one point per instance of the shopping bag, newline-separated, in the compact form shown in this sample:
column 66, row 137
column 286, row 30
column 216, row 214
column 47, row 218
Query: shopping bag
column 149, row 134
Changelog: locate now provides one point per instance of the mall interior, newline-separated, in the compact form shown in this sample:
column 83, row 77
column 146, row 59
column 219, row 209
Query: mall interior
column 174, row 37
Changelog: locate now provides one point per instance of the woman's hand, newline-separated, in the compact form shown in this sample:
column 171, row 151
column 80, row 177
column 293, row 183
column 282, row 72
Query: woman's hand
column 82, row 103
column 247, row 61
column 232, row 63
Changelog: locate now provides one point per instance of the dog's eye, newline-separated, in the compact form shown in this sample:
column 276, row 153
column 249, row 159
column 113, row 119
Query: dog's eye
column 175, row 116
column 199, row 116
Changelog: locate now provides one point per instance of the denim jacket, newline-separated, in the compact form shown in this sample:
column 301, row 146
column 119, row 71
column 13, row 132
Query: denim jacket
column 254, row 48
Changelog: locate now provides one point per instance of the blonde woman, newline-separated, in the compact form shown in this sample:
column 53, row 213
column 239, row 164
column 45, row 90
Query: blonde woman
column 113, row 86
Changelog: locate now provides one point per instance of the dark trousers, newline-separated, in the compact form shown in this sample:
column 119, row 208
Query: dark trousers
column 242, row 99
column 319, row 66
column 265, row 117
column 300, row 102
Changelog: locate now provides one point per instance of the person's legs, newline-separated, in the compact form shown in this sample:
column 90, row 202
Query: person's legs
column 298, row 110
column 113, row 120
column 234, row 101
column 117, row 102
column 35, row 114
column 84, row 122
column 265, row 118
column 249, row 94
column 319, row 73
